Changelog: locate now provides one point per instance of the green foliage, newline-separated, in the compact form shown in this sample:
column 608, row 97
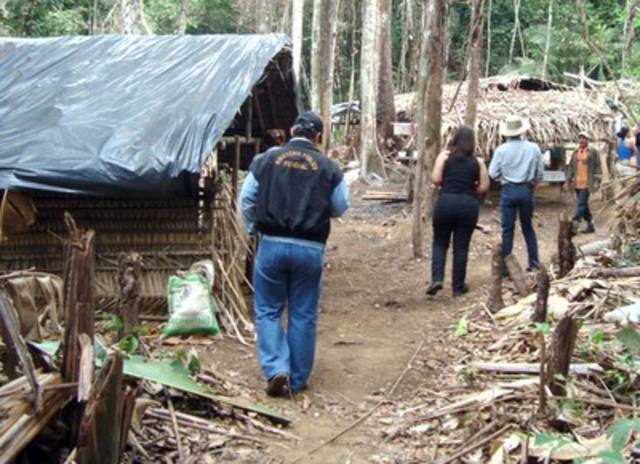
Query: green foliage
column 630, row 338
column 129, row 344
column 462, row 328
column 543, row 327
column 187, row 361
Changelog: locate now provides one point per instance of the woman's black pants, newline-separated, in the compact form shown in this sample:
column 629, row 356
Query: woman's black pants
column 455, row 214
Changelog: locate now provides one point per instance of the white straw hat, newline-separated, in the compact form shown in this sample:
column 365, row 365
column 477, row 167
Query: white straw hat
column 514, row 126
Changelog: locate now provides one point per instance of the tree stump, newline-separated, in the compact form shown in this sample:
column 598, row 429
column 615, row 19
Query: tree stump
column 562, row 345
column 79, row 295
column 566, row 248
column 542, row 295
column 517, row 275
column 496, row 302
column 129, row 275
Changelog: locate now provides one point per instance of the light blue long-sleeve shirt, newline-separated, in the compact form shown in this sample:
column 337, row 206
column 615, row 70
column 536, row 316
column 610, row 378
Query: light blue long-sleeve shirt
column 517, row 162
column 249, row 196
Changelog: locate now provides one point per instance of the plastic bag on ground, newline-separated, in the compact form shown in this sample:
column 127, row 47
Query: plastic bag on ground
column 192, row 310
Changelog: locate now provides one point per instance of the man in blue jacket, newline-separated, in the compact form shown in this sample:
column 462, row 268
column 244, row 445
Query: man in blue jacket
column 288, row 198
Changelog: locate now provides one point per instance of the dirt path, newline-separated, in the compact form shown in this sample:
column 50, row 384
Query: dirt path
column 374, row 314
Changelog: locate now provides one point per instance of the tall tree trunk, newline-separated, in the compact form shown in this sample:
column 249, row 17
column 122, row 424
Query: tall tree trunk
column 297, row 22
column 371, row 161
column 516, row 30
column 323, row 41
column 475, row 58
column 386, row 105
column 184, row 9
column 629, row 31
column 406, row 24
column 433, row 102
column 547, row 43
column 488, row 54
column 421, row 129
column 263, row 16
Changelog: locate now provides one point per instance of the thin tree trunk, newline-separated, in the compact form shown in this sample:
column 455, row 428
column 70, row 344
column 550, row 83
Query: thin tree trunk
column 488, row 59
column 420, row 95
column 433, row 102
column 184, row 9
column 516, row 28
column 406, row 28
column 323, row 60
column 371, row 161
column 263, row 16
column 475, row 58
column 386, row 104
column 297, row 23
column 316, row 55
column 547, row 44
column 629, row 31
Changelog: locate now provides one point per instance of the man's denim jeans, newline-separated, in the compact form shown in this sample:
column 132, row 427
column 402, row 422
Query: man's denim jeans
column 287, row 273
column 517, row 200
column 582, row 206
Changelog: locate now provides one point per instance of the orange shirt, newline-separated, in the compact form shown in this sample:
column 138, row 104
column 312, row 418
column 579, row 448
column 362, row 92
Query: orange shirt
column 582, row 169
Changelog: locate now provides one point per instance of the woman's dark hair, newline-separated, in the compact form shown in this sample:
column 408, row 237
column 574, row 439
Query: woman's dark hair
column 463, row 142
column 623, row 132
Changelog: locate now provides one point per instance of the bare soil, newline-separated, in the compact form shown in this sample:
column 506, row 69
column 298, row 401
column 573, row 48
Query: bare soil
column 374, row 315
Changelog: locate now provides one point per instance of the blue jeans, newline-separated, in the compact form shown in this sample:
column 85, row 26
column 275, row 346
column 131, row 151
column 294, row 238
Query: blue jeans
column 517, row 200
column 287, row 273
column 582, row 206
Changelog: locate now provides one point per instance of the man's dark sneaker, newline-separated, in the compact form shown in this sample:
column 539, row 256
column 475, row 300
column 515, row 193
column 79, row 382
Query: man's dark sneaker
column 278, row 385
column 461, row 291
column 589, row 229
column 575, row 226
column 434, row 288
column 533, row 269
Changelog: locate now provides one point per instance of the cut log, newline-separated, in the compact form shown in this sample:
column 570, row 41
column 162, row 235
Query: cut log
column 532, row 368
column 566, row 248
column 594, row 248
column 631, row 271
column 542, row 296
column 129, row 280
column 562, row 345
column 517, row 275
column 496, row 302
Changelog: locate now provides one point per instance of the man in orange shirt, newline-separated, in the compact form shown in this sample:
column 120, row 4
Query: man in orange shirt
column 584, row 174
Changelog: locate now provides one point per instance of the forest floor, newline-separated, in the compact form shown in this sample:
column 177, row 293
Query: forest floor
column 374, row 316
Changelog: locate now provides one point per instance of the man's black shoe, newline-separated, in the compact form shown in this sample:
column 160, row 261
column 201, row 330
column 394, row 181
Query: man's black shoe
column 434, row 288
column 462, row 291
column 589, row 229
column 278, row 385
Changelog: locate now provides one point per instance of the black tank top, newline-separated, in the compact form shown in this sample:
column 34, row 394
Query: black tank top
column 461, row 174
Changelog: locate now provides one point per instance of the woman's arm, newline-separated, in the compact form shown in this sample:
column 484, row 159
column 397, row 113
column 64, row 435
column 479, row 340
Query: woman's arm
column 483, row 180
column 438, row 169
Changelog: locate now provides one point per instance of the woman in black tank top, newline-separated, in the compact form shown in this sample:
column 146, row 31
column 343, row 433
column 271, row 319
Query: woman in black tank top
column 461, row 178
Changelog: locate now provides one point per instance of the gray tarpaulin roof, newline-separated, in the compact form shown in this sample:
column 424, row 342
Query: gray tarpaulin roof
column 121, row 115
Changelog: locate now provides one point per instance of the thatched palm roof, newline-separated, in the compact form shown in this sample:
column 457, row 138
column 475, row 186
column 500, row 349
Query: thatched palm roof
column 557, row 113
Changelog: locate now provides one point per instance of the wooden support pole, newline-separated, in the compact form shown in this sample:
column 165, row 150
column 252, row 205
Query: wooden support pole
column 542, row 295
column 496, row 302
column 236, row 171
column 129, row 279
column 562, row 345
column 518, row 276
column 566, row 248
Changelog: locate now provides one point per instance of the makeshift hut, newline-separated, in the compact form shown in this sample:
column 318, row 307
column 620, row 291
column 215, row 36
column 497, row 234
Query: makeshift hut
column 557, row 112
column 127, row 133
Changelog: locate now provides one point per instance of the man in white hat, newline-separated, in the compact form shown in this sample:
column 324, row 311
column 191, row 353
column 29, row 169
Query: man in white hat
column 518, row 165
column 584, row 174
